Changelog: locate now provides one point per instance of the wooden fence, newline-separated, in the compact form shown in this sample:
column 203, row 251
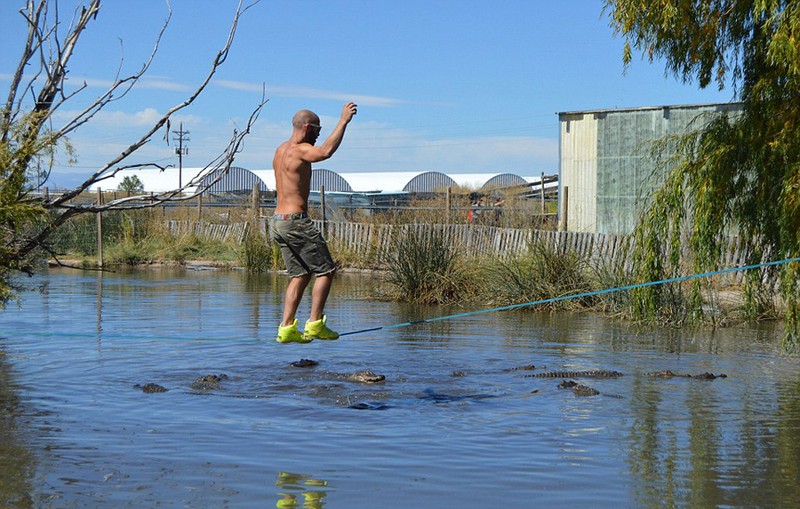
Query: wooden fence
column 221, row 232
column 375, row 241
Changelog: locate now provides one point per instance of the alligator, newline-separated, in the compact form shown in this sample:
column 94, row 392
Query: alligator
column 150, row 388
column 527, row 367
column 364, row 377
column 595, row 373
column 305, row 363
column 439, row 397
column 369, row 406
column 578, row 389
column 669, row 374
column 209, row 382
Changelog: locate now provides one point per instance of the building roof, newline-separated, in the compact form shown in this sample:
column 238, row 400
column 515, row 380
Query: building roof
column 158, row 181
column 733, row 105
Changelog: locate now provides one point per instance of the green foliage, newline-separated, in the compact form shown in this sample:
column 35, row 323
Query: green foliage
column 544, row 271
column 256, row 253
column 736, row 175
column 131, row 184
column 20, row 213
column 426, row 267
column 136, row 237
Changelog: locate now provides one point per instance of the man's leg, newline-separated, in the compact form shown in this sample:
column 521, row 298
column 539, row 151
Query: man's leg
column 294, row 293
column 319, row 295
column 315, row 326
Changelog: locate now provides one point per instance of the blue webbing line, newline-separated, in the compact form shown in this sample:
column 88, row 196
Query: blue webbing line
column 575, row 296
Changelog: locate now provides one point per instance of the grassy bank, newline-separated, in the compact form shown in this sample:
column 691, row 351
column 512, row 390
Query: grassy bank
column 423, row 265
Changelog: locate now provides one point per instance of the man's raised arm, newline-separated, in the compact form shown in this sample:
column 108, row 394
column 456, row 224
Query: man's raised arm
column 313, row 154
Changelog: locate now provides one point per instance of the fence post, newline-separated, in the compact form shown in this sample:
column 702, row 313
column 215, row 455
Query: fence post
column 324, row 214
column 99, row 229
column 200, row 208
column 562, row 226
column 541, row 183
column 448, row 201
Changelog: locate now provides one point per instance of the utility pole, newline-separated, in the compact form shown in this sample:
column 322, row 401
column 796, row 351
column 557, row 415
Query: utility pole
column 180, row 137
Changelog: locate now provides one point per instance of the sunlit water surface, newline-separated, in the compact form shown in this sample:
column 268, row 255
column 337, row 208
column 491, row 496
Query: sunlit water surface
column 451, row 426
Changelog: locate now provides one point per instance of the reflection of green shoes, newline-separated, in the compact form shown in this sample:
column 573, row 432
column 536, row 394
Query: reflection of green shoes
column 290, row 334
column 288, row 502
column 318, row 330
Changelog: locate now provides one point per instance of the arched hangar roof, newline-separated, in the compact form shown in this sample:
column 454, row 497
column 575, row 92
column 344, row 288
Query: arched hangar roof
column 330, row 179
column 504, row 180
column 236, row 181
column 429, row 182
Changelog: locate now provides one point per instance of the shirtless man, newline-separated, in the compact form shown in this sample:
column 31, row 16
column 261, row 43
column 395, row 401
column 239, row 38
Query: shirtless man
column 304, row 251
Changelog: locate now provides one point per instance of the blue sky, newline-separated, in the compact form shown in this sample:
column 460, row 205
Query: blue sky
column 452, row 86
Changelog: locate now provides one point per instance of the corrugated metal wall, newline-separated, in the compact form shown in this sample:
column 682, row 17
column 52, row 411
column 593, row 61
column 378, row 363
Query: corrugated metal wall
column 607, row 163
column 504, row 180
column 330, row 179
column 429, row 182
column 579, row 170
column 236, row 180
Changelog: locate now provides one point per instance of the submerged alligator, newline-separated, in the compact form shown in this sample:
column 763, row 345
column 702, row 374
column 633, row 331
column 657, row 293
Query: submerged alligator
column 364, row 377
column 594, row 373
column 527, row 367
column 578, row 389
column 209, row 382
column 150, row 388
column 669, row 374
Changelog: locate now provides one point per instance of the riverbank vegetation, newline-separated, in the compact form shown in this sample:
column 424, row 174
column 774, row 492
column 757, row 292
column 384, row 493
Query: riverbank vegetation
column 427, row 265
column 736, row 173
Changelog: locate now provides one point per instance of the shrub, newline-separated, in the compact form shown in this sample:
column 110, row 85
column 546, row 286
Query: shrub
column 425, row 266
column 545, row 271
column 256, row 253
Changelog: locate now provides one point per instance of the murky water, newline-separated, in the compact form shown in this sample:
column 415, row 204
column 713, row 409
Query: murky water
column 450, row 427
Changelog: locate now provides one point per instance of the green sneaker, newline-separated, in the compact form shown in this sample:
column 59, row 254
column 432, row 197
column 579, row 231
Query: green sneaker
column 290, row 334
column 318, row 330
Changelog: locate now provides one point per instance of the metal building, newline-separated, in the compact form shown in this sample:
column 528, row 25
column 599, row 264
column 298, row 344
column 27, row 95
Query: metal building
column 606, row 166
column 429, row 182
column 330, row 179
column 236, row 181
column 504, row 180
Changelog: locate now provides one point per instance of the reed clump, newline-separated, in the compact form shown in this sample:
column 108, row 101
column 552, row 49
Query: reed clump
column 256, row 253
column 426, row 266
column 543, row 271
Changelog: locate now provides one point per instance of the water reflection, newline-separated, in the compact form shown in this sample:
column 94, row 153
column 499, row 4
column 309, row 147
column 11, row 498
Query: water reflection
column 300, row 490
column 16, row 459
column 453, row 409
column 689, row 448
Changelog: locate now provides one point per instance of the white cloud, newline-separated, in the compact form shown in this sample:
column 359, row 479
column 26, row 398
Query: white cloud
column 145, row 82
column 309, row 93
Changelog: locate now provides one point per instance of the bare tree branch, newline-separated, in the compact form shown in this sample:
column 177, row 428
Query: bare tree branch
column 51, row 96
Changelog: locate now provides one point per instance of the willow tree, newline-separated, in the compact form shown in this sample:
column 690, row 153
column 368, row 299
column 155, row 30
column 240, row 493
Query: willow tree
column 735, row 174
column 30, row 137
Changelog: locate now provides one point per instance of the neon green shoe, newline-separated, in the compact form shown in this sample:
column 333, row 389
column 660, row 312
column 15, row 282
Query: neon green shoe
column 290, row 334
column 318, row 330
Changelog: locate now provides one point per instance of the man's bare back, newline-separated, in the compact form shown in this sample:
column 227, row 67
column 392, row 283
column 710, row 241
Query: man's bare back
column 293, row 158
column 292, row 180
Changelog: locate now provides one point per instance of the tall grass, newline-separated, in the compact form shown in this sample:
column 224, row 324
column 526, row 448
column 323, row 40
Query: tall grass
column 256, row 253
column 136, row 237
column 425, row 266
column 544, row 271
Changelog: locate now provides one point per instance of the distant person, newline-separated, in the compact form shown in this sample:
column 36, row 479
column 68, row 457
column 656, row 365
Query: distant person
column 304, row 251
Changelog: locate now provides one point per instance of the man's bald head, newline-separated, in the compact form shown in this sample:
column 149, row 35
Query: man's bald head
column 304, row 117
